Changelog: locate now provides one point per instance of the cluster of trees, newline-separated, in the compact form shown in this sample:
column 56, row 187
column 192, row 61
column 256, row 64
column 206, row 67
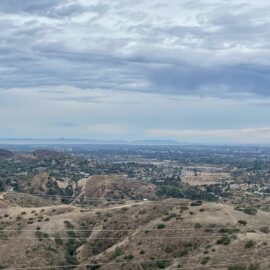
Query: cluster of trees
column 185, row 191
column 2, row 185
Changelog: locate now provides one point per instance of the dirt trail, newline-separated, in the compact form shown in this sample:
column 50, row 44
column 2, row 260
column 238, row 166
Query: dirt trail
column 121, row 206
column 2, row 196
column 227, row 210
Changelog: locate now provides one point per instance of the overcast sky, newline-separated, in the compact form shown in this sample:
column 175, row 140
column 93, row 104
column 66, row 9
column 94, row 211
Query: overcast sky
column 191, row 70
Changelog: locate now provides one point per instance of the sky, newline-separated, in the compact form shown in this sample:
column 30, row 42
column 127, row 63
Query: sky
column 192, row 70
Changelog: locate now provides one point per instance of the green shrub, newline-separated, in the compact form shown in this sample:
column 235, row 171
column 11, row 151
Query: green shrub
column 196, row 203
column 264, row 230
column 237, row 267
column 161, row 264
column 169, row 217
column 225, row 240
column 253, row 267
column 117, row 252
column 168, row 249
column 45, row 235
column 250, row 244
column 71, row 247
column 94, row 267
column 212, row 225
column 161, row 226
column 242, row 222
column 229, row 230
column 191, row 245
column 205, row 260
column 250, row 211
column 68, row 224
column 39, row 235
column 129, row 257
column 183, row 252
column 58, row 241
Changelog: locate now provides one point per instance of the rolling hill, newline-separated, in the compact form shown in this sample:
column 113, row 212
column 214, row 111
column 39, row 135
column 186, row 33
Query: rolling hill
column 169, row 234
column 113, row 187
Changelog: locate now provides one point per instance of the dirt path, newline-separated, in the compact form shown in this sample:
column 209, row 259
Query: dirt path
column 2, row 196
column 120, row 206
column 227, row 210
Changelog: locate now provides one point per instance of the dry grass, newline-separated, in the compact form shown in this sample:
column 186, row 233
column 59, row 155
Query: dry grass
column 141, row 236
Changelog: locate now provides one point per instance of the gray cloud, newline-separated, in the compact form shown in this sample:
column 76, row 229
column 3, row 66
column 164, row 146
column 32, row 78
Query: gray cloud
column 219, row 49
column 35, row 7
column 212, row 80
column 50, row 8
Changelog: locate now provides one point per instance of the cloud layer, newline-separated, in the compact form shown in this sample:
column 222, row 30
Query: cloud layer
column 203, row 47
column 193, row 58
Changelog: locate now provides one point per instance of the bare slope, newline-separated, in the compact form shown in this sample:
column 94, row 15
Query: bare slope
column 114, row 187
column 167, row 234
column 44, row 184
column 25, row 200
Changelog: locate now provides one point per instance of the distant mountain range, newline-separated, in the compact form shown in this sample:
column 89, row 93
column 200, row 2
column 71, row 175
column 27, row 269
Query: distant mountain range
column 85, row 141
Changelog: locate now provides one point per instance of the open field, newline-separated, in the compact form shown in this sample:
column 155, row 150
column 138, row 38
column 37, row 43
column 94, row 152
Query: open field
column 204, row 176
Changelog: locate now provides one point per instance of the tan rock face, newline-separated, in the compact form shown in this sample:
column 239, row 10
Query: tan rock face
column 41, row 183
column 114, row 187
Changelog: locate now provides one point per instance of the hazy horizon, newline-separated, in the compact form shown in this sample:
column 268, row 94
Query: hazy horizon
column 146, row 142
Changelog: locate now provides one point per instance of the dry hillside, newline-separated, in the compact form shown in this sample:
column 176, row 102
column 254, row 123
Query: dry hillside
column 169, row 234
column 44, row 184
column 114, row 187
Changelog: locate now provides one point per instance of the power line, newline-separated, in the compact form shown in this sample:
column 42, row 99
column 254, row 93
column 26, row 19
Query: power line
column 77, row 198
column 92, row 199
column 143, row 230
column 104, row 238
column 87, row 198
column 144, row 261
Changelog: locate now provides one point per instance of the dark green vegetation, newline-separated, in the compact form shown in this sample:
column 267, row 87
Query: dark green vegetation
column 243, row 267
